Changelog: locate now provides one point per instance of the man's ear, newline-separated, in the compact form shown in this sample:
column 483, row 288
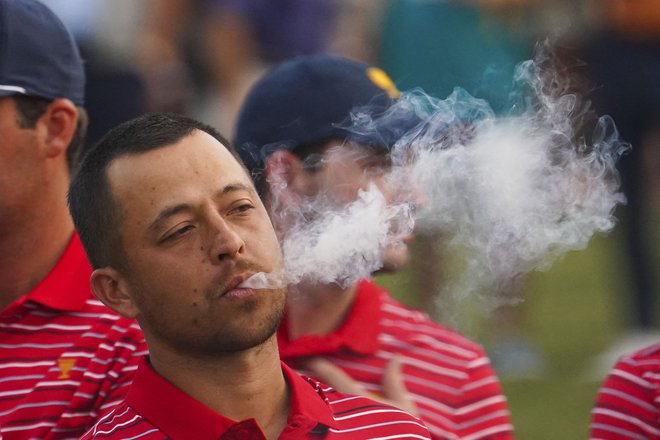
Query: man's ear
column 57, row 126
column 110, row 287
column 284, row 174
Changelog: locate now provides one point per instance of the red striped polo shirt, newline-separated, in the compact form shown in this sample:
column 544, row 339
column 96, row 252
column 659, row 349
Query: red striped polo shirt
column 64, row 357
column 156, row 409
column 449, row 377
column 628, row 402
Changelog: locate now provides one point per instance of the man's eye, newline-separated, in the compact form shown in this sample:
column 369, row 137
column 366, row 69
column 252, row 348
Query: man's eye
column 243, row 208
column 178, row 233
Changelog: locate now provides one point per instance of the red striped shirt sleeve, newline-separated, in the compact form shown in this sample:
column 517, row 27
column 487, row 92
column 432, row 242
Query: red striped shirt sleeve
column 627, row 405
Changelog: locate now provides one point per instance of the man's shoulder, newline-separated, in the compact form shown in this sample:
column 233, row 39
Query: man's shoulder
column 373, row 418
column 76, row 363
column 645, row 361
column 627, row 401
column 123, row 422
column 94, row 317
column 650, row 353
column 406, row 322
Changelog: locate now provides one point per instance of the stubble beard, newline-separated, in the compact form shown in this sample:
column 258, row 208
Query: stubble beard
column 221, row 337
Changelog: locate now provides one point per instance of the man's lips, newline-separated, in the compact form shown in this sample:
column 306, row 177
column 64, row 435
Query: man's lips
column 234, row 289
column 247, row 283
column 265, row 280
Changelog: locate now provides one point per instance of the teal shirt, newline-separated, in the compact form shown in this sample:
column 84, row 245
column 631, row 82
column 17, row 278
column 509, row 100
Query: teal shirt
column 438, row 45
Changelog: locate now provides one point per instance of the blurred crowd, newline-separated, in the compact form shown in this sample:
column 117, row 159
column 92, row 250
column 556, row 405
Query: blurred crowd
column 205, row 319
column 201, row 57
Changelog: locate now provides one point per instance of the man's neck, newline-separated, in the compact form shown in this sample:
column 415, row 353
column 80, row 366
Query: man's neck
column 318, row 309
column 239, row 386
column 29, row 249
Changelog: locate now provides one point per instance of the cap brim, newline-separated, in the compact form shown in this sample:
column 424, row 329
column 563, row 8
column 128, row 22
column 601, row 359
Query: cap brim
column 11, row 90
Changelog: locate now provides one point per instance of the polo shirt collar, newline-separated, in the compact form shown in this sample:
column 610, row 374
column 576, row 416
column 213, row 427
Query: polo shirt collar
column 66, row 287
column 181, row 417
column 358, row 333
column 307, row 400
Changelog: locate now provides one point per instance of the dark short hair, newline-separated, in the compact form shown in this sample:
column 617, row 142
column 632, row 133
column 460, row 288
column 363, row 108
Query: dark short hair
column 96, row 213
column 31, row 108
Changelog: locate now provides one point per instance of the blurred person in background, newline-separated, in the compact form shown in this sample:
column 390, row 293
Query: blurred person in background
column 623, row 66
column 109, row 34
column 474, row 45
column 357, row 337
column 66, row 358
column 199, row 57
column 245, row 38
column 628, row 402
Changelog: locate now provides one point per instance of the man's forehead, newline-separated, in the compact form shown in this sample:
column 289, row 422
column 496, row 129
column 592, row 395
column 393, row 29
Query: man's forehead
column 198, row 149
column 194, row 161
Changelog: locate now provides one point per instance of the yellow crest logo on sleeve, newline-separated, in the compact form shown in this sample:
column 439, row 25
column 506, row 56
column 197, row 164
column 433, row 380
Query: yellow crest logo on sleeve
column 65, row 365
column 382, row 80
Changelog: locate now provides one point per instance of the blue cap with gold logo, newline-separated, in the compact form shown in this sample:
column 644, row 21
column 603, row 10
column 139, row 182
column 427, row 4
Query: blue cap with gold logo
column 308, row 100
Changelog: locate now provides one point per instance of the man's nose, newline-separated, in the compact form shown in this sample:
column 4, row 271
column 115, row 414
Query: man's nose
column 226, row 241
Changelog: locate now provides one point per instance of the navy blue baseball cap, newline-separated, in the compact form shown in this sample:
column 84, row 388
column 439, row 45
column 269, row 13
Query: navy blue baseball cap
column 38, row 55
column 310, row 99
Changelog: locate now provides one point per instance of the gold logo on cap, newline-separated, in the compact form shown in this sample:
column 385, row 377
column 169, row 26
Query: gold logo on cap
column 382, row 80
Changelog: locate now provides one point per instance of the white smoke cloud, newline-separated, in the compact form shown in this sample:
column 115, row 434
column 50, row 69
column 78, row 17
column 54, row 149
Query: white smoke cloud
column 514, row 192
column 341, row 245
